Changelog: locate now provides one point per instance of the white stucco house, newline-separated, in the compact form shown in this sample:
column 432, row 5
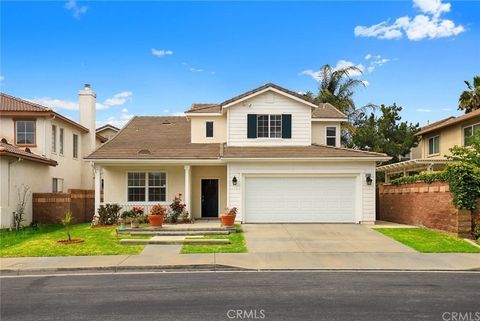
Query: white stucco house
column 270, row 152
column 44, row 150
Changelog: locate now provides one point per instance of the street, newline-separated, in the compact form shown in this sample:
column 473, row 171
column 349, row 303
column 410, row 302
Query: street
column 242, row 296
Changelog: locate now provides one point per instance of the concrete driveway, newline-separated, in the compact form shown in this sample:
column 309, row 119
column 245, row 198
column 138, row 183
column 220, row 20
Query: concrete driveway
column 318, row 238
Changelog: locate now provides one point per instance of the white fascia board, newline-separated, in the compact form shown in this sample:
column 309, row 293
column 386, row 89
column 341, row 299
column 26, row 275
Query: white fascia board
column 203, row 114
column 330, row 119
column 310, row 159
column 156, row 161
column 274, row 90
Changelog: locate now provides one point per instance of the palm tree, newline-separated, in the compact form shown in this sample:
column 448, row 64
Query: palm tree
column 470, row 99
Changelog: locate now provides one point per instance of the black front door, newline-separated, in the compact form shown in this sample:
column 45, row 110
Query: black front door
column 209, row 197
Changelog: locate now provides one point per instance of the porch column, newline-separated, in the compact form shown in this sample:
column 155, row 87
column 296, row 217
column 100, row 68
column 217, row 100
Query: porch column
column 187, row 197
column 98, row 187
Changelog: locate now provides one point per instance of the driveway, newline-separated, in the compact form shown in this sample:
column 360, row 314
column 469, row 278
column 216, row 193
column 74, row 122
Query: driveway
column 318, row 238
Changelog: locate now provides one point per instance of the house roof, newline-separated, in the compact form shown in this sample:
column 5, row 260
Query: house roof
column 313, row 151
column 322, row 111
column 449, row 122
column 107, row 126
column 13, row 106
column 169, row 138
column 7, row 149
column 152, row 137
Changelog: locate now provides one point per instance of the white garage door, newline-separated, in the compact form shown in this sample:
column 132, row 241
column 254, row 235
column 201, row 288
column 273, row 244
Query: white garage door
column 300, row 199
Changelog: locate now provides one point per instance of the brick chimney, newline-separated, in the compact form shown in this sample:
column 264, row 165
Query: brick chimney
column 87, row 106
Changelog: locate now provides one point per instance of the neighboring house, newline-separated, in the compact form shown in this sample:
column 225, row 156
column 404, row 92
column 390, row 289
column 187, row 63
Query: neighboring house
column 107, row 131
column 436, row 139
column 270, row 152
column 43, row 150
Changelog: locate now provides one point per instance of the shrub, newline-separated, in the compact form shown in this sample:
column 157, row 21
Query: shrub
column 108, row 214
column 178, row 210
column 422, row 177
column 135, row 216
column 157, row 210
column 464, row 181
column 66, row 222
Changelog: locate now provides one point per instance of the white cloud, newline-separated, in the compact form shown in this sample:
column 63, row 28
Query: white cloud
column 427, row 25
column 423, row 110
column 315, row 74
column 117, row 121
column 165, row 111
column 366, row 83
column 161, row 53
column 76, row 10
column 179, row 113
column 124, row 110
column 116, row 100
column 192, row 69
column 2, row 78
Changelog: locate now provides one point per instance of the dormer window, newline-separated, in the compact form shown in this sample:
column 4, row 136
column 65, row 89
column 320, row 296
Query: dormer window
column 25, row 132
column 209, row 129
column 331, row 136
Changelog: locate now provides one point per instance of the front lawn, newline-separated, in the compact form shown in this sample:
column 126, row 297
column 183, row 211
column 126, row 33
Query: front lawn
column 429, row 241
column 237, row 244
column 42, row 242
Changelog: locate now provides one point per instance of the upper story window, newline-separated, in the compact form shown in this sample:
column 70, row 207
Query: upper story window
column 269, row 126
column 331, row 136
column 54, row 138
column 434, row 145
column 141, row 189
column 75, row 146
column 209, row 129
column 468, row 132
column 61, row 135
column 25, row 132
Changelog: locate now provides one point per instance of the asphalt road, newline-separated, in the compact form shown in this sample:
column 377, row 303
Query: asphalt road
column 243, row 296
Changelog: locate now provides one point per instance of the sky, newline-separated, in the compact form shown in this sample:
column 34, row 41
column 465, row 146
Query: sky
column 157, row 58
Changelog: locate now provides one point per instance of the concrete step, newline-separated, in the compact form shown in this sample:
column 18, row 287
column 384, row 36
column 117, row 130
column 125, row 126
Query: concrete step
column 175, row 233
column 164, row 241
column 178, row 228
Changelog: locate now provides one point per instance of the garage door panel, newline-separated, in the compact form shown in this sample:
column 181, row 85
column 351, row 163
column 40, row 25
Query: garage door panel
column 299, row 199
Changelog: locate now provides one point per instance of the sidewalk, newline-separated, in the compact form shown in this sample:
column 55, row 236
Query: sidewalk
column 166, row 257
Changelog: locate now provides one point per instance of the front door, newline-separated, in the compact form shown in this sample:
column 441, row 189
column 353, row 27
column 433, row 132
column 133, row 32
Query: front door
column 209, row 197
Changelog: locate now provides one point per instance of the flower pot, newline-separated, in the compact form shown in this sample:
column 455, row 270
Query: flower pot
column 135, row 225
column 156, row 220
column 122, row 226
column 227, row 220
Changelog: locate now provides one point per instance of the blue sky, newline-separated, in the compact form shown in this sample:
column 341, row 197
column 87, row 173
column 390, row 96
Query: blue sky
column 156, row 58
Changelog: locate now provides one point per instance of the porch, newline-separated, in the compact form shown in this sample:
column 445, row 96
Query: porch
column 203, row 186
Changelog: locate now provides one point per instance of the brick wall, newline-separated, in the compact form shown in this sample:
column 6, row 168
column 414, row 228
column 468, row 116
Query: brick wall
column 50, row 208
column 422, row 204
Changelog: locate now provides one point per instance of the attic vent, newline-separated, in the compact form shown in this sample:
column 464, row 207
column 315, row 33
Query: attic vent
column 144, row 152
column 4, row 141
column 166, row 122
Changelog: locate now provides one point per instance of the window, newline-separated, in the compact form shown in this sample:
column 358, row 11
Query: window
column 434, row 145
column 25, row 132
column 61, row 141
column 269, row 126
column 468, row 132
column 139, row 187
column 54, row 138
column 209, row 129
column 331, row 136
column 75, row 146
column 57, row 185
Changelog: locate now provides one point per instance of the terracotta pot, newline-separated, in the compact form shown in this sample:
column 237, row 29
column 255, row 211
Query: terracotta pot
column 156, row 220
column 227, row 220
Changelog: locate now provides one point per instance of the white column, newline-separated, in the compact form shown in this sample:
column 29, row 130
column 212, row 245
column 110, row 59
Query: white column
column 98, row 187
column 187, row 197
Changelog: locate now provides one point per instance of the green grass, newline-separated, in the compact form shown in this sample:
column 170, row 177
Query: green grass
column 42, row 242
column 429, row 241
column 237, row 244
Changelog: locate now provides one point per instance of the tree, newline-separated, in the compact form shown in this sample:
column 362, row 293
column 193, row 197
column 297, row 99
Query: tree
column 66, row 222
column 386, row 133
column 470, row 99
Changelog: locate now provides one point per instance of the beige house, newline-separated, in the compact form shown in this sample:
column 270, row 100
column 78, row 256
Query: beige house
column 43, row 150
column 436, row 139
column 270, row 152
column 107, row 131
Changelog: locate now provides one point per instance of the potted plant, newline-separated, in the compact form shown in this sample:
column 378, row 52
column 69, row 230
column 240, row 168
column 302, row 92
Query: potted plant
column 157, row 215
column 228, row 218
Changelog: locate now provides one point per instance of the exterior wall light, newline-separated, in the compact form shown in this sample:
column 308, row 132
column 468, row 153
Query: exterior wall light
column 368, row 178
column 234, row 181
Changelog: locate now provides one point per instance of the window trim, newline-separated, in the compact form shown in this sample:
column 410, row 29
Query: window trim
column 463, row 132
column 428, row 142
column 327, row 137
column 73, row 146
column 34, row 131
column 57, row 179
column 146, row 188
column 269, row 126
column 54, row 139
column 206, row 129
column 61, row 140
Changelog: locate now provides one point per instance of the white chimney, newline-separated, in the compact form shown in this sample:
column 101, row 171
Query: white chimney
column 87, row 106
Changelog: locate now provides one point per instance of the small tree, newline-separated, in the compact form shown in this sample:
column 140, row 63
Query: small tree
column 23, row 195
column 66, row 222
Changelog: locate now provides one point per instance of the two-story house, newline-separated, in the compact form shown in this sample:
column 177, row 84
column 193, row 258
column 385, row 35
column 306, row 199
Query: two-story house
column 270, row 152
column 43, row 150
column 436, row 140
